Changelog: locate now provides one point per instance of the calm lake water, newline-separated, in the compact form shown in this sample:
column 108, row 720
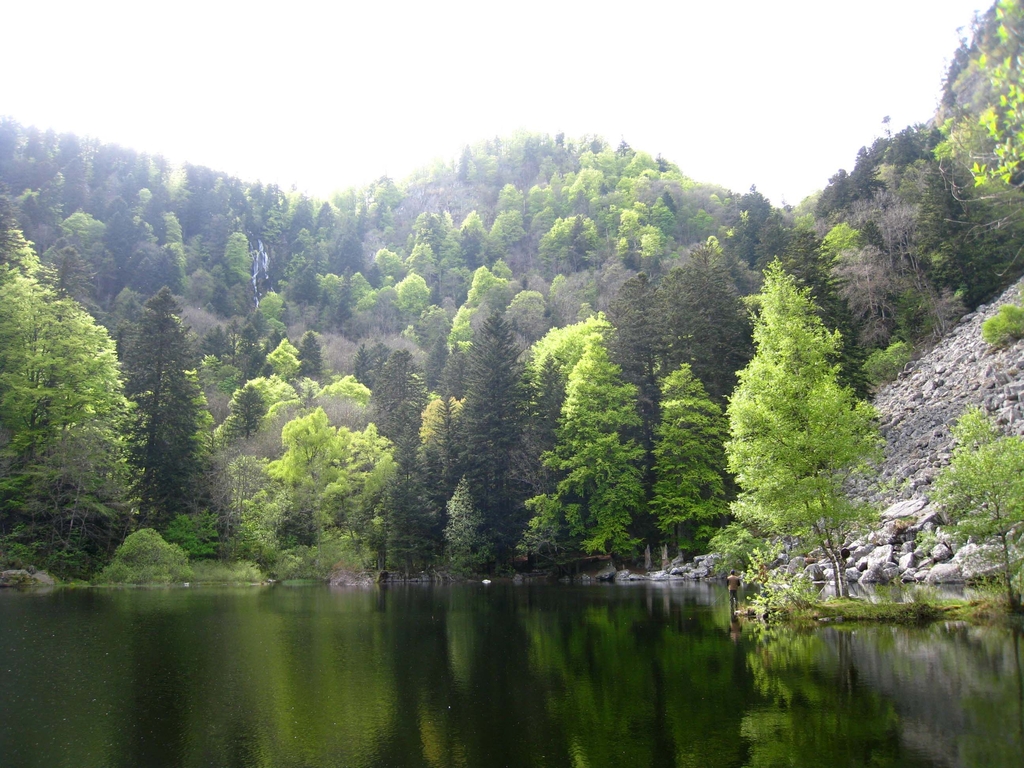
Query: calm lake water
column 473, row 675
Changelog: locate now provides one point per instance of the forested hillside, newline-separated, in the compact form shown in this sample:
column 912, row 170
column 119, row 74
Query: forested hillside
column 525, row 353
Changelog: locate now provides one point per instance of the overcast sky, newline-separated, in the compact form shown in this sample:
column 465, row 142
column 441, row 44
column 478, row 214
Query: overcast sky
column 324, row 96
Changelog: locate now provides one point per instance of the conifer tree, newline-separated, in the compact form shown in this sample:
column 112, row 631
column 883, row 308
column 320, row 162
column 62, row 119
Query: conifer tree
column 494, row 419
column 705, row 322
column 599, row 499
column 248, row 407
column 311, row 362
column 166, row 435
column 398, row 401
column 689, row 491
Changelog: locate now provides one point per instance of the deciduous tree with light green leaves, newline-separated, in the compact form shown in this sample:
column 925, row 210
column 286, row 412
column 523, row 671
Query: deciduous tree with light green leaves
column 983, row 489
column 1003, row 118
column 311, row 468
column 797, row 435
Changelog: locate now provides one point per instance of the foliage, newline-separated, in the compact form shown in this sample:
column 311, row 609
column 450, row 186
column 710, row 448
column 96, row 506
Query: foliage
column 983, row 490
column 735, row 543
column 600, row 494
column 166, row 436
column 466, row 545
column 220, row 572
column 1003, row 117
column 780, row 592
column 63, row 482
column 1004, row 328
column 796, row 433
column 347, row 387
column 884, row 365
column 145, row 558
column 303, row 562
column 555, row 231
column 493, row 423
column 195, row 534
column 285, row 360
column 689, row 490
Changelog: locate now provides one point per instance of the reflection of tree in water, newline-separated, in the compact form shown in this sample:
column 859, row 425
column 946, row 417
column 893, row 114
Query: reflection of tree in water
column 886, row 695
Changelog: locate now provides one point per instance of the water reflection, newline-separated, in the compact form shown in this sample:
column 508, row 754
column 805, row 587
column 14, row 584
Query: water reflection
column 466, row 676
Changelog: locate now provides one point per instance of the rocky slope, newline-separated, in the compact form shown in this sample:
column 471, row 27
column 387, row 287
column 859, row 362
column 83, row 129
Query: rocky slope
column 915, row 414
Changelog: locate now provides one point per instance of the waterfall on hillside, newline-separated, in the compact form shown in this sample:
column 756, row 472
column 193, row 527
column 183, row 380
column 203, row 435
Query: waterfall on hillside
column 260, row 275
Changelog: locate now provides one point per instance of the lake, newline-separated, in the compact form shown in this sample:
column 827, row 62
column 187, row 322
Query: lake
column 487, row 675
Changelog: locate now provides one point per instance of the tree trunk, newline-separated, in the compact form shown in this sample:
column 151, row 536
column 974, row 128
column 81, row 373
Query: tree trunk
column 838, row 574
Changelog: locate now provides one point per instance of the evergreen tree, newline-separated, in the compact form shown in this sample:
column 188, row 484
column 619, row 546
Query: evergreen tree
column 689, row 492
column 311, row 361
column 166, row 435
column 442, row 446
column 398, row 402
column 637, row 348
column 399, row 398
column 369, row 362
column 465, row 541
column 248, row 407
column 437, row 358
column 706, row 324
column 600, row 496
column 494, row 419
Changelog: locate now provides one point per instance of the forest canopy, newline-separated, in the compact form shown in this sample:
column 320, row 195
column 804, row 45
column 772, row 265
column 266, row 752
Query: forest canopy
column 525, row 354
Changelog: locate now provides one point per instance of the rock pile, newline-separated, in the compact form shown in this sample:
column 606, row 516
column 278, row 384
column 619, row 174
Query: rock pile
column 25, row 578
column 916, row 412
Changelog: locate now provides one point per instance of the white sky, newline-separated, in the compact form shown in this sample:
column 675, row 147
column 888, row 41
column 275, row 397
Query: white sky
column 327, row 95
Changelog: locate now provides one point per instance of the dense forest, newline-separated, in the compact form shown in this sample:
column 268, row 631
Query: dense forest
column 522, row 356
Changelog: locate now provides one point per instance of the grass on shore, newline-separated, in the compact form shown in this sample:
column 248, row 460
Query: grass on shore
column 986, row 610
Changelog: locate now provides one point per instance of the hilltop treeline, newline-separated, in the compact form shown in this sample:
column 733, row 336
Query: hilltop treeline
column 525, row 352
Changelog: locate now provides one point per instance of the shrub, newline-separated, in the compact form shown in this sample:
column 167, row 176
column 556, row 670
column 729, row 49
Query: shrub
column 196, row 535
column 1005, row 327
column 218, row 572
column 735, row 544
column 300, row 562
column 781, row 592
column 885, row 365
column 145, row 558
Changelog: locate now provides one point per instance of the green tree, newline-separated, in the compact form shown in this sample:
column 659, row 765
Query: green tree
column 248, row 407
column 494, row 420
column 284, row 360
column 600, row 494
column 465, row 542
column 398, row 401
column 62, row 411
column 311, row 470
column 983, row 489
column 413, row 296
column 311, row 361
column 796, row 434
column 441, row 436
column 145, row 558
column 166, row 436
column 236, row 258
column 689, row 489
column 637, row 347
column 1003, row 117
column 705, row 324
